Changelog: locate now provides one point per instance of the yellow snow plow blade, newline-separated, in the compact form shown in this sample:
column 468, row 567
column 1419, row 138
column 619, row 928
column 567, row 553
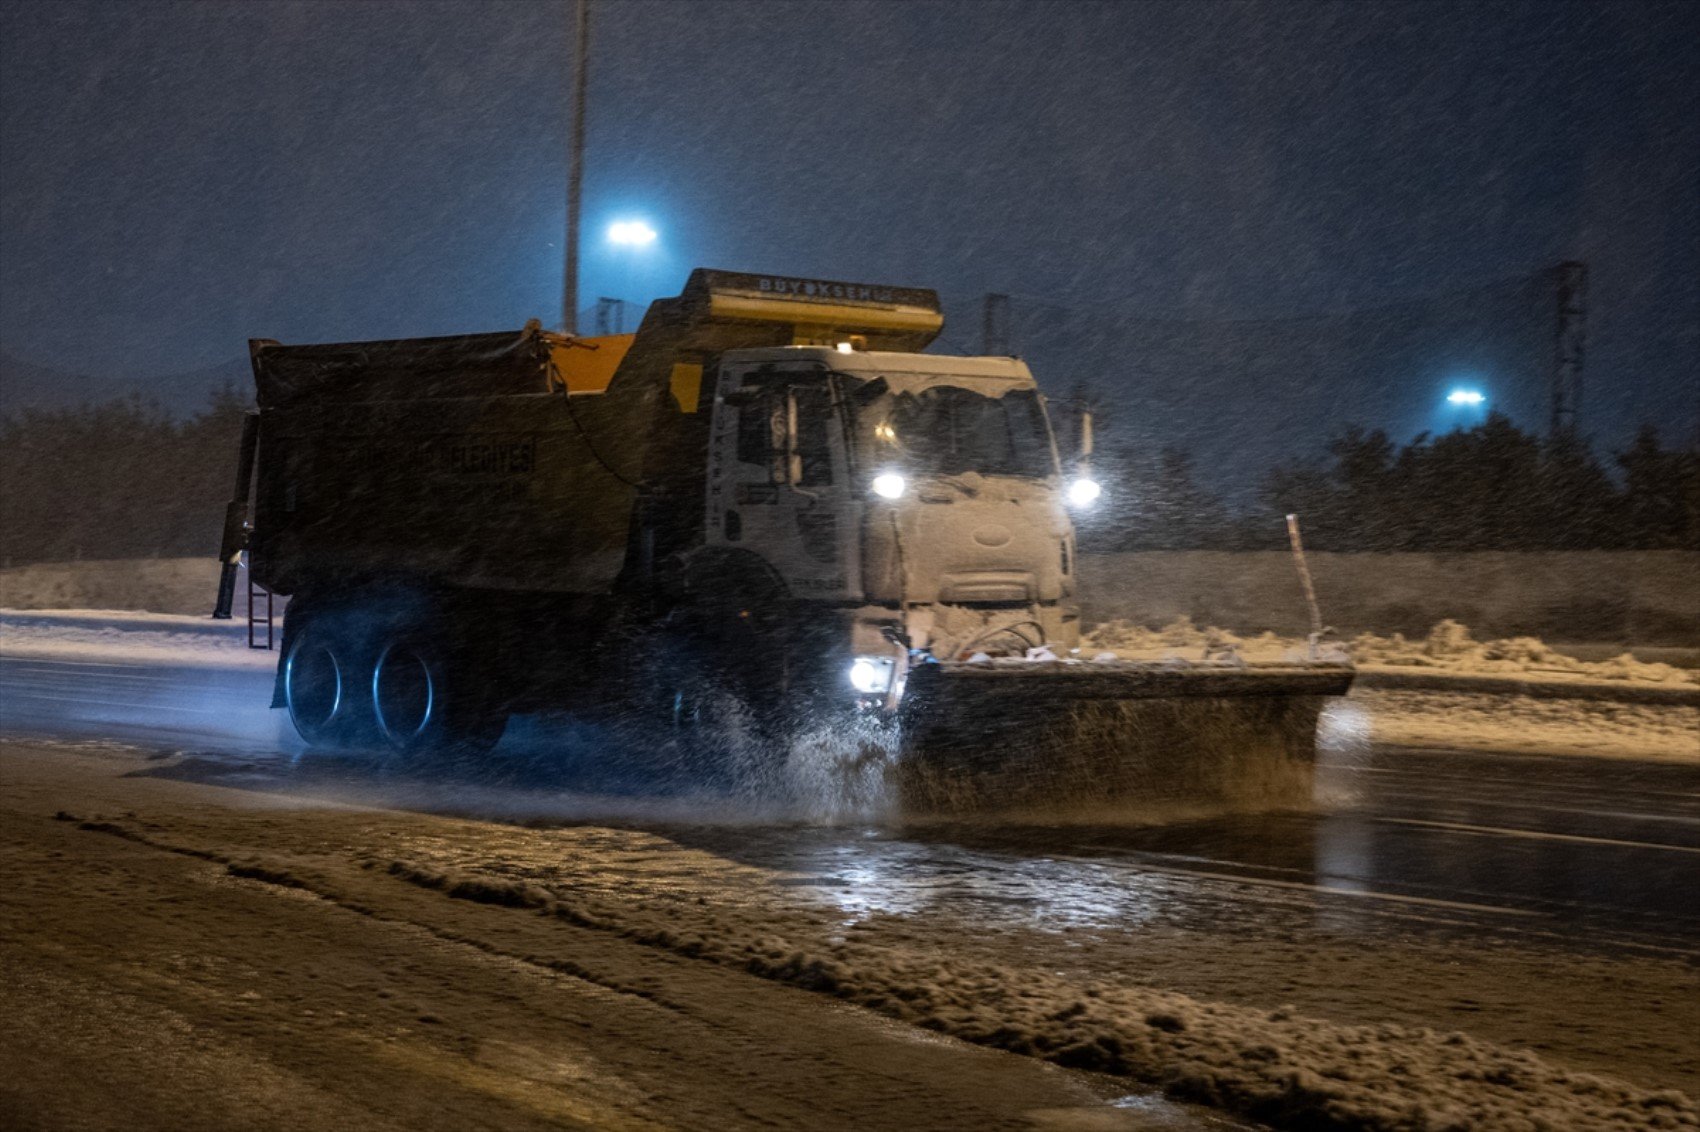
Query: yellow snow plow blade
column 1070, row 737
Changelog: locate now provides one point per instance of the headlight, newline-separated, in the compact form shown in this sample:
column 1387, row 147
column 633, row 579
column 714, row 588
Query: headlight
column 1084, row 492
column 889, row 485
column 871, row 674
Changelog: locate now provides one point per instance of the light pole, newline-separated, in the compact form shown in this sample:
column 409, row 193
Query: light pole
column 575, row 171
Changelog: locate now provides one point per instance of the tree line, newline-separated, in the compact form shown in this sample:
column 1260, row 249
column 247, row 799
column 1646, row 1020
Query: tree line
column 1491, row 487
column 125, row 479
column 117, row 479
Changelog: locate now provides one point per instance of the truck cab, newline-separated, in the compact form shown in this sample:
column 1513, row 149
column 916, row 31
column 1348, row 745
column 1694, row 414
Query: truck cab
column 803, row 448
column 917, row 498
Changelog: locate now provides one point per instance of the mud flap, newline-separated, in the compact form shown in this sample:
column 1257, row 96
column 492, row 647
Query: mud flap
column 1079, row 739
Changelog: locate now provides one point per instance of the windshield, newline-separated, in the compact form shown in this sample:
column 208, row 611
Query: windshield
column 948, row 430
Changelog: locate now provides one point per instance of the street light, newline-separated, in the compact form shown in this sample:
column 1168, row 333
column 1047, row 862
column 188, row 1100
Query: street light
column 631, row 233
column 1469, row 397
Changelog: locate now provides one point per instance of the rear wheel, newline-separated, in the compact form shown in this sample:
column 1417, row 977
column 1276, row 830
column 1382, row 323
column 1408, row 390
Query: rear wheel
column 426, row 703
column 324, row 674
column 315, row 688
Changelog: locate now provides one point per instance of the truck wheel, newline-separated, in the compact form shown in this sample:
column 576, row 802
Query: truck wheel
column 718, row 719
column 425, row 705
column 322, row 678
column 707, row 729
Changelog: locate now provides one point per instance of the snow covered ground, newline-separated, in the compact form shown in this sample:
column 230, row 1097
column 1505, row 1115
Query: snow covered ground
column 1583, row 709
column 1485, row 721
column 1448, row 648
column 349, row 961
column 128, row 636
column 186, row 958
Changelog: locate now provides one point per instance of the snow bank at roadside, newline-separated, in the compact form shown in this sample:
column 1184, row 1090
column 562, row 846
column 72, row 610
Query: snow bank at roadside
column 1276, row 1066
column 1514, row 724
column 129, row 637
column 1480, row 713
column 1449, row 648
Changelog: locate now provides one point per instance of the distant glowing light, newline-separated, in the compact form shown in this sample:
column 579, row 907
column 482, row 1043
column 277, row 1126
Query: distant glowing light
column 634, row 233
column 1084, row 492
column 889, row 485
column 1465, row 397
column 845, row 348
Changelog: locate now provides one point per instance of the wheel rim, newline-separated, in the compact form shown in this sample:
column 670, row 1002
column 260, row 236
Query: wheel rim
column 700, row 713
column 313, row 688
column 689, row 709
column 404, row 694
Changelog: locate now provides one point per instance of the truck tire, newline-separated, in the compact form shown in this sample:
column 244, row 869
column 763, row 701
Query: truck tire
column 702, row 729
column 324, row 675
column 713, row 705
column 424, row 703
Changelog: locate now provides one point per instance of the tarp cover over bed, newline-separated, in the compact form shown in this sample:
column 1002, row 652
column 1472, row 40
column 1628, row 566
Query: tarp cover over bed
column 464, row 365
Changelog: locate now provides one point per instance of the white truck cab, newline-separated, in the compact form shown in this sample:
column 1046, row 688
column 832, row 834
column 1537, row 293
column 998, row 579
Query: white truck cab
column 920, row 496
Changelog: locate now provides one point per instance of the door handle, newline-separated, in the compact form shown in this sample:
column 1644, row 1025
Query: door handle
column 757, row 493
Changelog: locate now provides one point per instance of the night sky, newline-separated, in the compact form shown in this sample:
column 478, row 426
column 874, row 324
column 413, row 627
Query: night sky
column 179, row 177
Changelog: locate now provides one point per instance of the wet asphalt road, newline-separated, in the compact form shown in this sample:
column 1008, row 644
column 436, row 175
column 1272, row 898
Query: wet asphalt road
column 1587, row 853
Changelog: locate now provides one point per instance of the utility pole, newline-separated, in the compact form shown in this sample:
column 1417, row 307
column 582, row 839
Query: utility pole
column 575, row 170
column 1568, row 346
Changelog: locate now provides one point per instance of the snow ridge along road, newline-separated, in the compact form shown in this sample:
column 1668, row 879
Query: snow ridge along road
column 190, row 965
column 649, row 926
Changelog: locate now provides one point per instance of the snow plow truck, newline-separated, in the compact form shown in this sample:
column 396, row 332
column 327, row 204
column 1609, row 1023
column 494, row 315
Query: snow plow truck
column 766, row 510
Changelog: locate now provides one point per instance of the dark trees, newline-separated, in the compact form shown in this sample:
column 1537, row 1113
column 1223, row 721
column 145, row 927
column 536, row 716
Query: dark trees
column 1661, row 493
column 115, row 480
column 1493, row 487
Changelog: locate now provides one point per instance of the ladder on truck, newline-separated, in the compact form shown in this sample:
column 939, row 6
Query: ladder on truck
column 256, row 618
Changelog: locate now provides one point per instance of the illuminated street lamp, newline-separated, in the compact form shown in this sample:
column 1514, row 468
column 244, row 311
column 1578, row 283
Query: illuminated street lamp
column 631, row 233
column 1466, row 398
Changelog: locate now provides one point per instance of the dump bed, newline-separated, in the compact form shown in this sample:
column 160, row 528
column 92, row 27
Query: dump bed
column 454, row 461
column 513, row 460
column 464, row 365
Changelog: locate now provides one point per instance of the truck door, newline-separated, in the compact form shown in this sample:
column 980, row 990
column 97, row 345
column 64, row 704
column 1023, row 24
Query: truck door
column 779, row 477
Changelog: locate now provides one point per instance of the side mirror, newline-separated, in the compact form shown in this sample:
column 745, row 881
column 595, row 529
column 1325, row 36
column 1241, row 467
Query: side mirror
column 869, row 393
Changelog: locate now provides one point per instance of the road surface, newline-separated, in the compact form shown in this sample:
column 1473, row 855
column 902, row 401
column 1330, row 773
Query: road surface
column 1602, row 854
column 1539, row 903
